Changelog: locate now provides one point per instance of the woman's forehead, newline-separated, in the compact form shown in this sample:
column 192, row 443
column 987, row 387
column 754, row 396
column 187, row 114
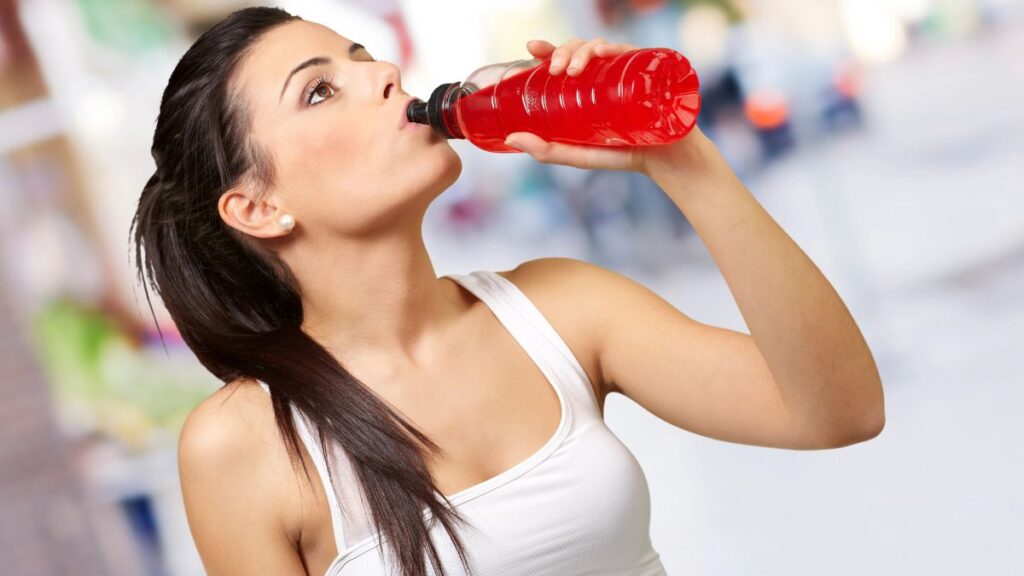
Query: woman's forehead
column 283, row 48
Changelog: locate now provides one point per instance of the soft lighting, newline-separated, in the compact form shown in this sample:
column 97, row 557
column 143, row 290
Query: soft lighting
column 703, row 32
column 911, row 11
column 99, row 110
column 875, row 31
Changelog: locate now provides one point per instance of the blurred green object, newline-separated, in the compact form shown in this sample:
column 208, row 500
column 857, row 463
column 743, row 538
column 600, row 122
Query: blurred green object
column 103, row 383
column 131, row 26
column 731, row 10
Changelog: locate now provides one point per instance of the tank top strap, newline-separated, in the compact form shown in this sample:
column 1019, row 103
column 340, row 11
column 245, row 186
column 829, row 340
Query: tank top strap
column 305, row 429
column 531, row 328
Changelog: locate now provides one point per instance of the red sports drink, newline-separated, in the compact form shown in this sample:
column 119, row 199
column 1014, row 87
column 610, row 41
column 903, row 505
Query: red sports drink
column 644, row 97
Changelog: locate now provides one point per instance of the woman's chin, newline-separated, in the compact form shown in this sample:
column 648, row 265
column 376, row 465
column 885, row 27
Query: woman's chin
column 450, row 168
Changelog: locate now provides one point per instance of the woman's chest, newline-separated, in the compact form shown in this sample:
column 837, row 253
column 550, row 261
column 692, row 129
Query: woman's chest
column 486, row 399
column 582, row 509
column 487, row 408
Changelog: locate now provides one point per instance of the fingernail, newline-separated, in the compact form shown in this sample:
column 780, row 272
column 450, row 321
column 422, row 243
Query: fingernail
column 557, row 61
column 511, row 142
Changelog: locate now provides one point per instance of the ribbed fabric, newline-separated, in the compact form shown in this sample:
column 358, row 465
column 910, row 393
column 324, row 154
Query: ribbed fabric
column 577, row 506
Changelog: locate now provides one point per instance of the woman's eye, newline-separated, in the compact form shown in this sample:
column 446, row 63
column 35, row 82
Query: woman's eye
column 323, row 90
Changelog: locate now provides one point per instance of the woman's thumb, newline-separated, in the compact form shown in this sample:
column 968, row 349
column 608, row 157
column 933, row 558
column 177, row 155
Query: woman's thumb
column 524, row 141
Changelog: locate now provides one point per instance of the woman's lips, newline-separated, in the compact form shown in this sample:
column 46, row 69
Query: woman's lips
column 404, row 120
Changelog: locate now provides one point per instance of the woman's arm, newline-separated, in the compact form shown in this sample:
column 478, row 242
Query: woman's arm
column 803, row 378
column 233, row 470
column 814, row 349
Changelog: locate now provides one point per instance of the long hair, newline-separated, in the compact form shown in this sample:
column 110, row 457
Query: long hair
column 237, row 305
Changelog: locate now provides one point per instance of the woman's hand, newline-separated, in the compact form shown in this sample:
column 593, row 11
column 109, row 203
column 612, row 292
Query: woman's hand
column 571, row 58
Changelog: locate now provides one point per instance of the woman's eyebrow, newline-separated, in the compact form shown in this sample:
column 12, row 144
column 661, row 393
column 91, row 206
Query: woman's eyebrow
column 315, row 61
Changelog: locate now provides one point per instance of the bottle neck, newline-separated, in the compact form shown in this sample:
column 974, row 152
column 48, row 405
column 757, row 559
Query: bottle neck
column 438, row 111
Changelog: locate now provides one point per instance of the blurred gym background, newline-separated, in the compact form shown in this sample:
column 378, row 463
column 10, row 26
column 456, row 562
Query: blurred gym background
column 885, row 136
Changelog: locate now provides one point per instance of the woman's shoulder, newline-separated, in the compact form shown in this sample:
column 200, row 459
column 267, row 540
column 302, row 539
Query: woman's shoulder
column 233, row 422
column 230, row 452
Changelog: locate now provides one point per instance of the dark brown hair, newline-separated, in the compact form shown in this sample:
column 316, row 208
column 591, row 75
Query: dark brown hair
column 237, row 305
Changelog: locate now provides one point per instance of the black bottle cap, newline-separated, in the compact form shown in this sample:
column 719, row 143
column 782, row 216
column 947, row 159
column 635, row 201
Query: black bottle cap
column 433, row 111
column 417, row 112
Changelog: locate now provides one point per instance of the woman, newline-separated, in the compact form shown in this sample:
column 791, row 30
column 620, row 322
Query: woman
column 376, row 417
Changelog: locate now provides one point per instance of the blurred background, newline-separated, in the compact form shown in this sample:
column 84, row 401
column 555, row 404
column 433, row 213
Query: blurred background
column 885, row 136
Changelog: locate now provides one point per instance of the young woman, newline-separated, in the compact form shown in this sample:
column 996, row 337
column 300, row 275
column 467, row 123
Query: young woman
column 377, row 419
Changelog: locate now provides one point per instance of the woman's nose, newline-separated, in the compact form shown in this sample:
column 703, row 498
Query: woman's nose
column 388, row 81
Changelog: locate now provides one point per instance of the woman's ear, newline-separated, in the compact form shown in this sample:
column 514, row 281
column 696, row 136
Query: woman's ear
column 259, row 219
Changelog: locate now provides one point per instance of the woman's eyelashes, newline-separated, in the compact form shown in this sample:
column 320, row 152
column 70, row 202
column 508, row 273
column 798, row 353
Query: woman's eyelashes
column 314, row 88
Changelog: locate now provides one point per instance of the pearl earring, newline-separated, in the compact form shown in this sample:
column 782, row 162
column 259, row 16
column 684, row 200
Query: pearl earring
column 286, row 222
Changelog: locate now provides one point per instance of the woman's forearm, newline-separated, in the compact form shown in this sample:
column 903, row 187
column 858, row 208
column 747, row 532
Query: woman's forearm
column 813, row 346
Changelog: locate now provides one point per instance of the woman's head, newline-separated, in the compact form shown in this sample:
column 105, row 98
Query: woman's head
column 327, row 116
column 233, row 154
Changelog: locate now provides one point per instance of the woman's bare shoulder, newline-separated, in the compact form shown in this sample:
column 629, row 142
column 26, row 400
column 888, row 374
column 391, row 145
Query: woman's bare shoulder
column 235, row 422
column 233, row 465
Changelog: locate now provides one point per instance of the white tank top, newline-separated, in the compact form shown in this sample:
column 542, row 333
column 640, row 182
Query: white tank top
column 579, row 505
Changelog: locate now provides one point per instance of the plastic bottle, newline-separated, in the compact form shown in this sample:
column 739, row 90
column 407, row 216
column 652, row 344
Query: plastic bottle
column 647, row 96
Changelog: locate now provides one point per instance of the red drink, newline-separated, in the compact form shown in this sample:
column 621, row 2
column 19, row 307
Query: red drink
column 643, row 97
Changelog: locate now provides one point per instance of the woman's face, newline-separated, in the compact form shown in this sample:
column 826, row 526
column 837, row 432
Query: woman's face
column 329, row 115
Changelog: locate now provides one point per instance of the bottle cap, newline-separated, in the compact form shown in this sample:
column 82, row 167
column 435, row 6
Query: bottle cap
column 432, row 111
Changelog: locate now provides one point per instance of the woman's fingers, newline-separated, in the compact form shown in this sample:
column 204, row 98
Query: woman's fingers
column 573, row 55
column 586, row 157
column 561, row 55
column 582, row 55
column 540, row 48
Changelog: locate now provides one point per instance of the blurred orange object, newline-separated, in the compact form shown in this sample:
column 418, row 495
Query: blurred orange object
column 766, row 109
